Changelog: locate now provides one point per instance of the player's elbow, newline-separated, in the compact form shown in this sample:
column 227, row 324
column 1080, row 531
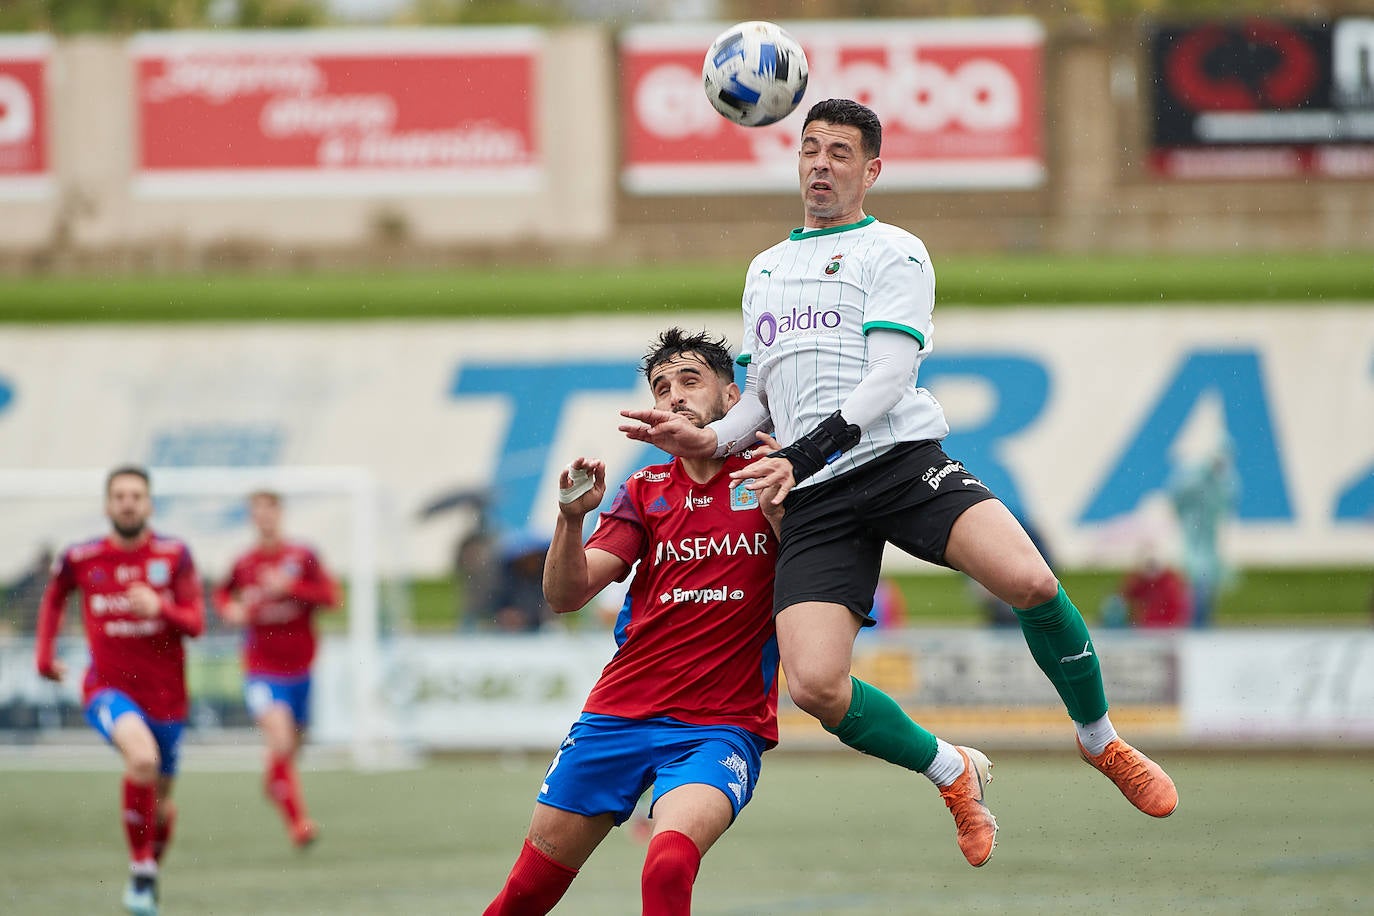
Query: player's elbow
column 565, row 603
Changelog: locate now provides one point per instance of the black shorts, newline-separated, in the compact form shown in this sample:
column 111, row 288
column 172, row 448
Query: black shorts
column 833, row 533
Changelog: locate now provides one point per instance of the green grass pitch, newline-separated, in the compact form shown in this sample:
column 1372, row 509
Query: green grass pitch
column 1281, row 280
column 829, row 834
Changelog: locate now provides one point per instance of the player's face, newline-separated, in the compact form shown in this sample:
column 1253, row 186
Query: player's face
column 128, row 505
column 686, row 385
column 834, row 174
column 266, row 515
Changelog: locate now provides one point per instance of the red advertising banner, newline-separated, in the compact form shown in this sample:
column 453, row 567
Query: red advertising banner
column 24, row 164
column 338, row 112
column 960, row 101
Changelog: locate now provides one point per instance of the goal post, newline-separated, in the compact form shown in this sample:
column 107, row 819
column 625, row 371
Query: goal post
column 60, row 506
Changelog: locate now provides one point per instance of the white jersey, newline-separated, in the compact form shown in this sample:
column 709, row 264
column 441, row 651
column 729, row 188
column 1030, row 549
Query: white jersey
column 809, row 301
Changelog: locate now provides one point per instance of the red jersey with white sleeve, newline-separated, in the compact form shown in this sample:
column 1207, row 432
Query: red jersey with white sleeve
column 695, row 636
column 142, row 656
column 279, row 639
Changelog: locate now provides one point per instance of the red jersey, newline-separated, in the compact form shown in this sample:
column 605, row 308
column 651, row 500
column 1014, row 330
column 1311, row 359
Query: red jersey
column 279, row 639
column 142, row 656
column 696, row 639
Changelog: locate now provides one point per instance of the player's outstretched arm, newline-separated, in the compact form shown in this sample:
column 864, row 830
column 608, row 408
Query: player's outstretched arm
column 672, row 432
column 573, row 574
column 49, row 622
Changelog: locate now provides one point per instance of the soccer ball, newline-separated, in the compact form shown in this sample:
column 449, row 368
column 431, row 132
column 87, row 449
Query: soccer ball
column 755, row 73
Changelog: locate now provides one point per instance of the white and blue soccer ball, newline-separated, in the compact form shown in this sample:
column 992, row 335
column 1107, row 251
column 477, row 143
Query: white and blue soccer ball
column 755, row 73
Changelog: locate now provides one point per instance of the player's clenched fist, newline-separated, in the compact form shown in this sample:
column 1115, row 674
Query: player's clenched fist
column 581, row 486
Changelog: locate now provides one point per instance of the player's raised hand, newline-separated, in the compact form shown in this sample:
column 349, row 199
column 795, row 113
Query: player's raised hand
column 675, row 433
column 143, row 601
column 581, row 486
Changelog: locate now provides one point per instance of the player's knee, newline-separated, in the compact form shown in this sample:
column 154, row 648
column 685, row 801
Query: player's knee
column 825, row 698
column 1034, row 587
column 142, row 766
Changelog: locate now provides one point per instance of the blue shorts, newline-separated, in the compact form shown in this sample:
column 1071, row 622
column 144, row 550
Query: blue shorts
column 606, row 763
column 261, row 691
column 108, row 705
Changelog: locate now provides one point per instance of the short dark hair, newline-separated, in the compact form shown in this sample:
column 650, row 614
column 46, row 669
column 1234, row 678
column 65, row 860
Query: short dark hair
column 128, row 470
column 272, row 496
column 675, row 342
column 850, row 113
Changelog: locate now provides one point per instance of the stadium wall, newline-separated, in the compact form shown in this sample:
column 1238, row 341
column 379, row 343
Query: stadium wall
column 1076, row 417
column 90, row 207
column 494, row 693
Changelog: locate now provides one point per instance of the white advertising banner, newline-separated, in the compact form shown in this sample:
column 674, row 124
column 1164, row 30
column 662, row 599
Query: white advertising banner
column 1076, row 417
column 1248, row 686
column 465, row 693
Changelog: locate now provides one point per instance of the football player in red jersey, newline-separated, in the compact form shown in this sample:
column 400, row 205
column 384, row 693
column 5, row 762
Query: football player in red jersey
column 688, row 703
column 141, row 597
column 274, row 591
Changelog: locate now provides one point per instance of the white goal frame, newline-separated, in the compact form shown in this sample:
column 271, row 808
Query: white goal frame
column 369, row 743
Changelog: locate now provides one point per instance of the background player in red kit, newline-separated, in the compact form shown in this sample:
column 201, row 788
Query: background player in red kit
column 688, row 703
column 140, row 598
column 274, row 591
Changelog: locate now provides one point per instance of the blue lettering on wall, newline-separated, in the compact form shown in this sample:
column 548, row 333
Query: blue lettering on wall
column 1235, row 377
column 537, row 394
column 1020, row 391
column 1355, row 502
column 6, row 394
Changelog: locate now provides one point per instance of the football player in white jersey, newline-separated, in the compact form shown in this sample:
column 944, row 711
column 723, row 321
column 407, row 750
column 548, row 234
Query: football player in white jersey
column 837, row 322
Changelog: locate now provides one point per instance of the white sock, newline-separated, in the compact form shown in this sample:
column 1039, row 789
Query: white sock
column 947, row 766
column 145, row 869
column 1096, row 735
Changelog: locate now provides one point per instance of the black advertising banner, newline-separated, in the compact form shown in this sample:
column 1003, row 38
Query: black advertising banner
column 1263, row 98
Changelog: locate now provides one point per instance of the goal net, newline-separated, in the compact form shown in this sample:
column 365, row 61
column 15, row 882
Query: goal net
column 339, row 511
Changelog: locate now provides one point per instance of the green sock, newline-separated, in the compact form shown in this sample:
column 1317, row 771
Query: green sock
column 876, row 725
column 1059, row 641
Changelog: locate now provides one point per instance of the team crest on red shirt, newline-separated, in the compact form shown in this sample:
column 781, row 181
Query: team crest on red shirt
column 742, row 498
column 159, row 573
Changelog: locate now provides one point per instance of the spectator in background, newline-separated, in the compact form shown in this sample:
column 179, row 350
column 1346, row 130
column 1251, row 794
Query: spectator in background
column 1156, row 595
column 478, row 576
column 273, row 592
column 518, row 603
column 889, row 605
column 19, row 600
column 1203, row 496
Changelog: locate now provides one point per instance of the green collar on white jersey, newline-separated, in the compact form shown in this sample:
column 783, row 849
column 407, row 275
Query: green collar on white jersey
column 803, row 233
